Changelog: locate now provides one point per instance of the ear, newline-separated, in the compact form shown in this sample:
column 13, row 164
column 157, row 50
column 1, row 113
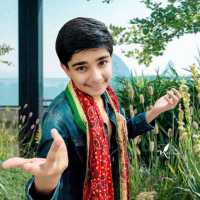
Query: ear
column 65, row 69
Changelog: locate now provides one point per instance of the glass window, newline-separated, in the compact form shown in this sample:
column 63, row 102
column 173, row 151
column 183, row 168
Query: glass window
column 9, row 61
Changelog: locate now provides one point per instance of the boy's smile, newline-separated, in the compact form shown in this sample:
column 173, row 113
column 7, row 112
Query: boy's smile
column 90, row 70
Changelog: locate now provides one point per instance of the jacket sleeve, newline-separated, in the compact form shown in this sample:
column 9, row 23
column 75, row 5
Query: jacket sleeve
column 138, row 125
column 50, row 120
column 31, row 194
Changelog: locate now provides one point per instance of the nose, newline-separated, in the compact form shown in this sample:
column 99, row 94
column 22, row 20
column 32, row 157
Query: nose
column 96, row 75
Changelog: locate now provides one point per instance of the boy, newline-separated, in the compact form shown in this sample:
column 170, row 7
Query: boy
column 83, row 148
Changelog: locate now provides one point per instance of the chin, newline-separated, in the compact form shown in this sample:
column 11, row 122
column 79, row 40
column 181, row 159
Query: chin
column 97, row 93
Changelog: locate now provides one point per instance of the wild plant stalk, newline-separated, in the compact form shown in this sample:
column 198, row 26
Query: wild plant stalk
column 29, row 133
column 185, row 120
column 134, row 169
column 188, row 159
column 12, row 182
column 195, row 77
column 168, row 169
column 9, row 134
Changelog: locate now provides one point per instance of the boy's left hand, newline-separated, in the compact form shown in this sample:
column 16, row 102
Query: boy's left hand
column 164, row 103
column 168, row 101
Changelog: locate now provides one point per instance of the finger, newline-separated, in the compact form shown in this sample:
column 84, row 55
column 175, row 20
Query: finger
column 59, row 140
column 28, row 167
column 169, row 99
column 177, row 93
column 57, row 143
column 33, row 168
column 166, row 97
column 173, row 97
column 56, row 136
column 15, row 162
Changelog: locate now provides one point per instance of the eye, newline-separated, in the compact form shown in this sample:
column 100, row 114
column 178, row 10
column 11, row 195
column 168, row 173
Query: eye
column 81, row 69
column 103, row 63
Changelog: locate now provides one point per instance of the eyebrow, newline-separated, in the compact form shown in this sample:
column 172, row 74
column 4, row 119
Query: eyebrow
column 84, row 62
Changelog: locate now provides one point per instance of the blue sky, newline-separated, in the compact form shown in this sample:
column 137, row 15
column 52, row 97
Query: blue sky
column 181, row 51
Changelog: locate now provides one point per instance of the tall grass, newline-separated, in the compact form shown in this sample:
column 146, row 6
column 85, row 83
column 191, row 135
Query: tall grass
column 12, row 182
column 165, row 164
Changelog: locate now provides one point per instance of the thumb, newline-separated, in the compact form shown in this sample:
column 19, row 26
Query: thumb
column 57, row 140
column 55, row 134
column 57, row 143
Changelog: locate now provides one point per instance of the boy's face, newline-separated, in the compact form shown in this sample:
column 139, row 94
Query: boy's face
column 90, row 70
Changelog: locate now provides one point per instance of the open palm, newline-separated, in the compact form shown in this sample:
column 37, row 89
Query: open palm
column 54, row 164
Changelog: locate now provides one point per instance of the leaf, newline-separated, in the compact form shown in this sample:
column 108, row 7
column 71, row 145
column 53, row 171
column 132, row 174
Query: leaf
column 166, row 148
column 164, row 23
column 3, row 188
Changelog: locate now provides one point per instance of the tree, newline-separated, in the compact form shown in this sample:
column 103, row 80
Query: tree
column 153, row 33
column 5, row 49
column 104, row 1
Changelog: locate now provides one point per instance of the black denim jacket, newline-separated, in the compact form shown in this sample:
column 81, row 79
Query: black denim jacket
column 59, row 115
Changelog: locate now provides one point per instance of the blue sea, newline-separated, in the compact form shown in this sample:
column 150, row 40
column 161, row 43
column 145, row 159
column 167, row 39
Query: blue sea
column 51, row 88
column 9, row 89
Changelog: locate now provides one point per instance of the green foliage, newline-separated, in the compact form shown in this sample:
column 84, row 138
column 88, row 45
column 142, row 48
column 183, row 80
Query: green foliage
column 104, row 1
column 5, row 49
column 153, row 33
column 163, row 164
column 12, row 182
column 28, row 132
column 8, row 136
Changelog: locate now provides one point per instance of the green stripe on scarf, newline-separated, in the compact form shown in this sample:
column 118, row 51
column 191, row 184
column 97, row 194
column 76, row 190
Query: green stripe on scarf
column 71, row 97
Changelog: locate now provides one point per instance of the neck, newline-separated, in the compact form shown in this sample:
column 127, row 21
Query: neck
column 99, row 102
column 97, row 98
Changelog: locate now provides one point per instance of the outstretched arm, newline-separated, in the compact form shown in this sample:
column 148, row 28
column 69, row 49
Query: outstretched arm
column 144, row 122
column 47, row 171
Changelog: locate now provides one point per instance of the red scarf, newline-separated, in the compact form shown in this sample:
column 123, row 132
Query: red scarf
column 99, row 184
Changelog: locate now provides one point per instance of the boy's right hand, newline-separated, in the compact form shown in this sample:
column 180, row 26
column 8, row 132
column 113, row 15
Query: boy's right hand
column 51, row 166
